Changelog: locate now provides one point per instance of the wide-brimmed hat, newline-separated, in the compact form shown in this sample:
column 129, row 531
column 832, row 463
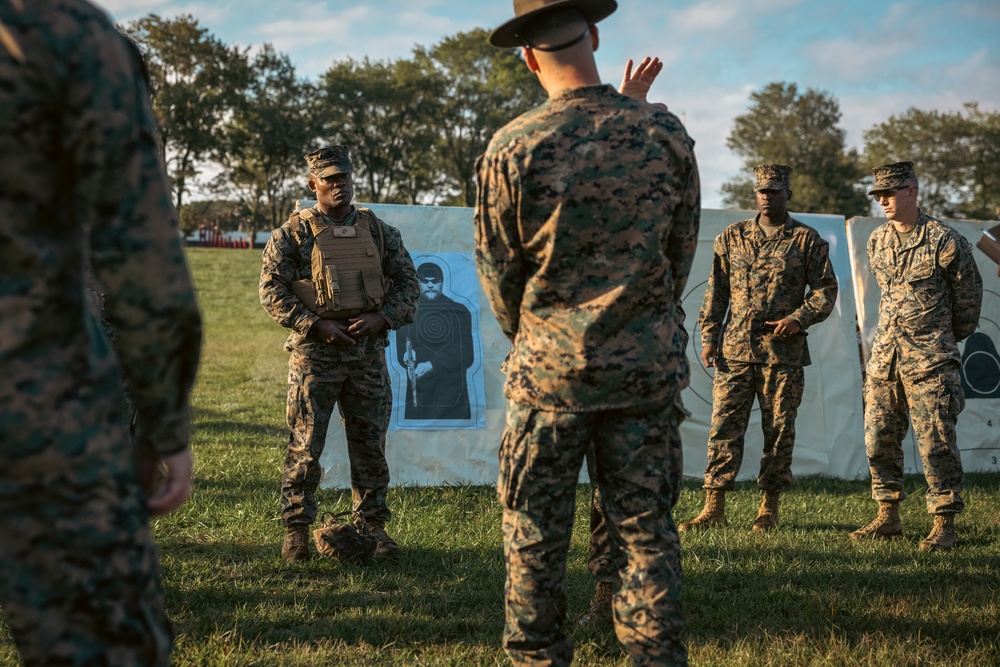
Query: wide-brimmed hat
column 506, row 36
column 892, row 176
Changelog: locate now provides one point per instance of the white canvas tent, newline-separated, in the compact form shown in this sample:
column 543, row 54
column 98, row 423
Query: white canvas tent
column 830, row 437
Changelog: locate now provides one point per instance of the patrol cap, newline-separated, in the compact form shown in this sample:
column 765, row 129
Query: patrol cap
column 891, row 176
column 772, row 177
column 330, row 160
column 430, row 271
column 507, row 35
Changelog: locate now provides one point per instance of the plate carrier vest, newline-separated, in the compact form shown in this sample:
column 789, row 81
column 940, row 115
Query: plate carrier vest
column 347, row 277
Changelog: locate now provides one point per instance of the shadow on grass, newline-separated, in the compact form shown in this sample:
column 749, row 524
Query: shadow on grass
column 809, row 582
column 423, row 598
column 832, row 594
column 217, row 422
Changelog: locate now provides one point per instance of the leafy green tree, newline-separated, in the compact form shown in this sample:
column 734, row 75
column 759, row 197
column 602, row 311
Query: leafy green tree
column 387, row 112
column 484, row 89
column 195, row 82
column 800, row 130
column 260, row 146
column 955, row 155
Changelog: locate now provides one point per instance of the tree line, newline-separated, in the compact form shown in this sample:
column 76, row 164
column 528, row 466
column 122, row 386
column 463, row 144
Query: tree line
column 236, row 122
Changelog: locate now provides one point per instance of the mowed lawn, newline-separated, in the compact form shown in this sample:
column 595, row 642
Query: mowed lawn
column 806, row 595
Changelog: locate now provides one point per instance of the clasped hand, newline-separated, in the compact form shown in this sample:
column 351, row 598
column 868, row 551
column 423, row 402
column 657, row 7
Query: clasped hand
column 336, row 333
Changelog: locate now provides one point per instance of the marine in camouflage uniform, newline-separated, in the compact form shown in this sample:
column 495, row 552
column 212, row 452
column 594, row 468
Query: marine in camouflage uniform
column 80, row 176
column 586, row 225
column 771, row 280
column 335, row 362
column 932, row 294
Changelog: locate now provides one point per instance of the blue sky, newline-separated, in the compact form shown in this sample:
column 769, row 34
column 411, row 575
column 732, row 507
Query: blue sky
column 876, row 58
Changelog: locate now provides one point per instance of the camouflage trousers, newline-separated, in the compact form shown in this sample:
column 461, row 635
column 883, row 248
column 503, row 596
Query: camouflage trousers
column 637, row 454
column 778, row 389
column 603, row 561
column 933, row 404
column 360, row 389
column 80, row 583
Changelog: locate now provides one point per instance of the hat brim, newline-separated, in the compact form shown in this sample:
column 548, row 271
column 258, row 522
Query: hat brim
column 323, row 172
column 505, row 37
column 771, row 185
column 885, row 187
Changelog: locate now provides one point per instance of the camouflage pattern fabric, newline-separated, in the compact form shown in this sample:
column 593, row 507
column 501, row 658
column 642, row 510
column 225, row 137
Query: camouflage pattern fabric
column 598, row 352
column 321, row 376
column 933, row 404
column 638, row 458
column 360, row 389
column 602, row 561
column 756, row 279
column 342, row 541
column 778, row 389
column 288, row 257
column 932, row 294
column 601, row 333
column 81, row 174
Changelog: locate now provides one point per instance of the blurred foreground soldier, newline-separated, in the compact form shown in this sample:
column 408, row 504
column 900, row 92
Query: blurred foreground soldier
column 931, row 297
column 586, row 226
column 436, row 351
column 338, row 278
column 80, row 176
column 771, row 280
column 636, row 84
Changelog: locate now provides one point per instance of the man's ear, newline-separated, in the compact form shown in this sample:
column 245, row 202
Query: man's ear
column 529, row 59
column 595, row 39
column 789, row 195
column 311, row 184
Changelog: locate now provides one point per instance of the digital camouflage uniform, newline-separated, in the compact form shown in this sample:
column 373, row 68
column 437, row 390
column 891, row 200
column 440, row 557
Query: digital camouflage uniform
column 321, row 375
column 756, row 279
column 80, row 174
column 602, row 561
column 586, row 226
column 931, row 297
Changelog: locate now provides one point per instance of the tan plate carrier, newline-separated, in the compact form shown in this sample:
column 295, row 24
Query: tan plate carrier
column 346, row 268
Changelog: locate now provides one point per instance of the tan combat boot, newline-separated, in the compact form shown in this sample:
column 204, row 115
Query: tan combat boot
column 600, row 612
column 295, row 548
column 942, row 536
column 714, row 513
column 886, row 525
column 767, row 515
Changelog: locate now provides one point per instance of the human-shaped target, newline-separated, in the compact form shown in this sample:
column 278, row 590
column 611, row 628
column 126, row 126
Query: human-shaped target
column 436, row 350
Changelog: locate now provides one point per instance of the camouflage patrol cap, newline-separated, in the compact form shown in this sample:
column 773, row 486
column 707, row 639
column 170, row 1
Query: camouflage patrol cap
column 772, row 177
column 891, row 176
column 330, row 160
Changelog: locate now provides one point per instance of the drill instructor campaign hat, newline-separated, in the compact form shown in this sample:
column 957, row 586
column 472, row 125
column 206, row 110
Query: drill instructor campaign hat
column 506, row 36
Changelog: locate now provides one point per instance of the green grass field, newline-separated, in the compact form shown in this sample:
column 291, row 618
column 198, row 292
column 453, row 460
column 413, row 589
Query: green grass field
column 806, row 595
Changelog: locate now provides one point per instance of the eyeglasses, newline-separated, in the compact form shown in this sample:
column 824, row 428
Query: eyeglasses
column 891, row 192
